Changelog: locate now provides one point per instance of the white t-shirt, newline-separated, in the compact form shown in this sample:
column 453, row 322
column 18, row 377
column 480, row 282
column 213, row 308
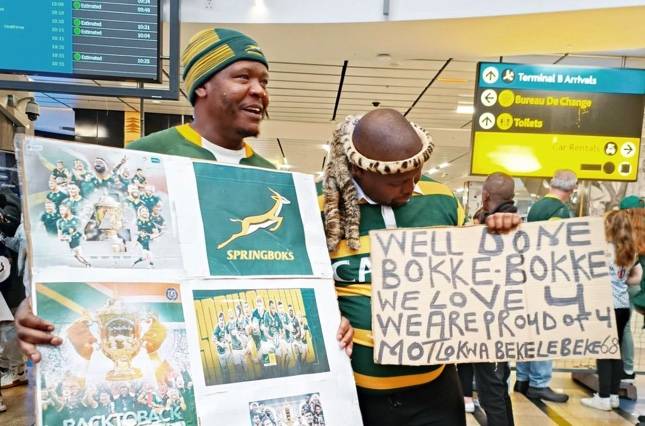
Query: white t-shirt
column 224, row 155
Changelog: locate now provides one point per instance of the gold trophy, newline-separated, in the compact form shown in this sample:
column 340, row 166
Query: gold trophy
column 120, row 339
column 109, row 218
column 123, row 333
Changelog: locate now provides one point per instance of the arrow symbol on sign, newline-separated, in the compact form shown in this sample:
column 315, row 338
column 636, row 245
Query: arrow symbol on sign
column 490, row 75
column 488, row 97
column 628, row 149
column 487, row 120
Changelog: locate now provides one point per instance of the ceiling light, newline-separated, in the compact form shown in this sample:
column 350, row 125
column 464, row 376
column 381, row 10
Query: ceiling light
column 156, row 101
column 259, row 7
column 465, row 109
column 432, row 171
column 459, row 190
column 444, row 165
column 384, row 57
column 325, row 147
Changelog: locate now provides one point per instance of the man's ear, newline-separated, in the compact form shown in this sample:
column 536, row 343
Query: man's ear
column 201, row 92
column 485, row 198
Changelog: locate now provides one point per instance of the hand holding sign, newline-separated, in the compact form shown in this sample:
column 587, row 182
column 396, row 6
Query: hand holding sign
column 468, row 295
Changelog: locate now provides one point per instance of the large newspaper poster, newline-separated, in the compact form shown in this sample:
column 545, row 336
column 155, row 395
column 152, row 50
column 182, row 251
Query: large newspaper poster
column 184, row 291
column 455, row 295
column 95, row 207
column 124, row 357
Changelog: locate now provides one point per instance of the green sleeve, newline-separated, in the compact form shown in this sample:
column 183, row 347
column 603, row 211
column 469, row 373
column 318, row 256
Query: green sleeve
column 563, row 213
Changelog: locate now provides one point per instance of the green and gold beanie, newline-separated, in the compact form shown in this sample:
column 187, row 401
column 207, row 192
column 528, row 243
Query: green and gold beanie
column 210, row 51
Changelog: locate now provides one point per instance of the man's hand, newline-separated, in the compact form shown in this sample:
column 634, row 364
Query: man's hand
column 501, row 223
column 33, row 331
column 345, row 335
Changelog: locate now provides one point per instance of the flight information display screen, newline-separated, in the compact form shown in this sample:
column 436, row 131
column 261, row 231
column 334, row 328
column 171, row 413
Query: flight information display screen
column 98, row 39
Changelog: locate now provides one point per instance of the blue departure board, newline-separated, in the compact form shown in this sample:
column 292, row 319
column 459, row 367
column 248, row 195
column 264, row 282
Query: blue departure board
column 113, row 39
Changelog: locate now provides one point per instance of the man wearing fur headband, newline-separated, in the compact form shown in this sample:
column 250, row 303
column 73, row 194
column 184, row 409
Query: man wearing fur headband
column 373, row 181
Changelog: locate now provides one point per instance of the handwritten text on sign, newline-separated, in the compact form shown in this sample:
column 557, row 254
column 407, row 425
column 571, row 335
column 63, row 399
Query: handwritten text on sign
column 462, row 294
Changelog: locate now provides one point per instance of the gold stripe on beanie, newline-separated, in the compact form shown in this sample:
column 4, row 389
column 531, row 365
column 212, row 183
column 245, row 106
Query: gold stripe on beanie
column 205, row 64
column 199, row 42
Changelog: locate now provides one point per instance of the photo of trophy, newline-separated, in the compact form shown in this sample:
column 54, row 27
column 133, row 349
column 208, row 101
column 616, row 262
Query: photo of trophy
column 123, row 333
column 120, row 339
column 108, row 214
column 107, row 223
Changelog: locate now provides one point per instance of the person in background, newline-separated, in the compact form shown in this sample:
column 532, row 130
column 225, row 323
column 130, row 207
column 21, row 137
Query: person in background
column 229, row 95
column 12, row 363
column 534, row 377
column 466, row 374
column 498, row 192
column 12, row 291
column 623, row 271
column 373, row 180
column 635, row 208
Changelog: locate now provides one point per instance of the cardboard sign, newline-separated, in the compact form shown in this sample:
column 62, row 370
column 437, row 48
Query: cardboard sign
column 456, row 295
column 184, row 291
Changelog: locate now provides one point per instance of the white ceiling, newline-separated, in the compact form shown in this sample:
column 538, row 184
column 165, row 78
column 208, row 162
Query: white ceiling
column 307, row 61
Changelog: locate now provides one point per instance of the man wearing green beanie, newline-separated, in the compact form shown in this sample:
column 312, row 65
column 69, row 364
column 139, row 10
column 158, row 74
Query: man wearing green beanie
column 226, row 77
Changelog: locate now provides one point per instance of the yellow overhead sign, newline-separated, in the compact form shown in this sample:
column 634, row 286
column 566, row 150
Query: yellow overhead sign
column 539, row 155
column 531, row 120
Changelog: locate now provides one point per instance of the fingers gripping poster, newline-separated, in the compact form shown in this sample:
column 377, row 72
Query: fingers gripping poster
column 182, row 291
column 448, row 295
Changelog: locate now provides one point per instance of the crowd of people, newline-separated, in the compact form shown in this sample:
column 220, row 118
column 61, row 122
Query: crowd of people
column 372, row 180
column 69, row 401
column 88, row 205
column 261, row 337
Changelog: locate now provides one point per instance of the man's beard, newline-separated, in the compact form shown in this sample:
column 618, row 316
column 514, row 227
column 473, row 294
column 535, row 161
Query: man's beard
column 245, row 133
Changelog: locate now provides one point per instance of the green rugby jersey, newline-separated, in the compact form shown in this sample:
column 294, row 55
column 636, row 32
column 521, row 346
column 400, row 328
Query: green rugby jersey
column 548, row 208
column 56, row 197
column 184, row 141
column 50, row 221
column 433, row 204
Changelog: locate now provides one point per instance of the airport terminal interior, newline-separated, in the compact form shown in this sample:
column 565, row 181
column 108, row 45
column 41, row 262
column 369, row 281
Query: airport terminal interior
column 528, row 89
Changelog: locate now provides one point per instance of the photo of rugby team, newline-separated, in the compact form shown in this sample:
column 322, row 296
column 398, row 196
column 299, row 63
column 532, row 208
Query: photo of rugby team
column 108, row 212
column 258, row 335
column 301, row 410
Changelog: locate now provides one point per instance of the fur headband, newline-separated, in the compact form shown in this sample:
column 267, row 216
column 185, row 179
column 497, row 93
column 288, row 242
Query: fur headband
column 378, row 166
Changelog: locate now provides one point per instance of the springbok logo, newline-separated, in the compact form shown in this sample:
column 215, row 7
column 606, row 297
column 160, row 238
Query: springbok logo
column 251, row 224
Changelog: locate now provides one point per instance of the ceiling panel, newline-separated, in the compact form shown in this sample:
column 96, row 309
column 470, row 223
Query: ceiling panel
column 306, row 93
